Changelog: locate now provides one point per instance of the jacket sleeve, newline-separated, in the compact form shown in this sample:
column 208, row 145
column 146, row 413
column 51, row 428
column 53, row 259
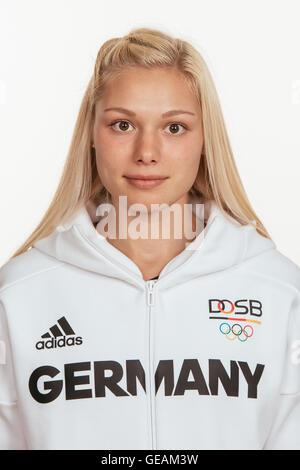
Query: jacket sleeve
column 285, row 432
column 11, row 434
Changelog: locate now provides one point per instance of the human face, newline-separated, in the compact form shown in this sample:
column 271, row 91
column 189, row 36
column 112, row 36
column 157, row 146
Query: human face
column 139, row 140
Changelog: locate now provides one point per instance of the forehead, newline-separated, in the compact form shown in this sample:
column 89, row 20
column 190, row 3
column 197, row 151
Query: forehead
column 160, row 88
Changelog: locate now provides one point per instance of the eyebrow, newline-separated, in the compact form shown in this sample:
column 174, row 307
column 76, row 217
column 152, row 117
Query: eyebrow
column 173, row 112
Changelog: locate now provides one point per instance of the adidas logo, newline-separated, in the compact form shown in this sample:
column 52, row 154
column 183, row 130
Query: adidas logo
column 65, row 334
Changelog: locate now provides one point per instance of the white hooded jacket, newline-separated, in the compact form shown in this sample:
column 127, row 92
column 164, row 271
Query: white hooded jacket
column 92, row 356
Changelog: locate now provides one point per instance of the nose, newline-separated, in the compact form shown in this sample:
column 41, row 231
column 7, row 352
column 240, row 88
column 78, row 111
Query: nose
column 147, row 148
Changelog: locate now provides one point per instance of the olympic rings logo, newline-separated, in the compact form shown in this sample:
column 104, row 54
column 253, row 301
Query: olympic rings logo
column 236, row 331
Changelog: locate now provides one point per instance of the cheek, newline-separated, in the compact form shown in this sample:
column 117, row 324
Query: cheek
column 110, row 155
column 108, row 169
column 185, row 162
column 186, row 154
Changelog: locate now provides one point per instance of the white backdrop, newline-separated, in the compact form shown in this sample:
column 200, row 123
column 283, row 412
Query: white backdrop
column 48, row 49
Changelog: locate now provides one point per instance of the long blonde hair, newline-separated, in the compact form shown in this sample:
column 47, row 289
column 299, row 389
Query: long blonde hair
column 217, row 177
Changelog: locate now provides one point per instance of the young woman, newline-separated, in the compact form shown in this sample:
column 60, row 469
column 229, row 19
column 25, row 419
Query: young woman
column 110, row 340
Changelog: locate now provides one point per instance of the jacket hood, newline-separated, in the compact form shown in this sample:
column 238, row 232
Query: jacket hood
column 222, row 244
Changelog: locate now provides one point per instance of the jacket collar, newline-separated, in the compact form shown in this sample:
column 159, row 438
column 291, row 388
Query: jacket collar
column 222, row 244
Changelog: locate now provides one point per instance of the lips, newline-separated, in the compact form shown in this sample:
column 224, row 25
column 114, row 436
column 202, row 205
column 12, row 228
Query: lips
column 145, row 182
column 146, row 177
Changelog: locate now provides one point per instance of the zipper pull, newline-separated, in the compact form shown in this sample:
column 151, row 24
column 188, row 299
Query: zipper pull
column 150, row 293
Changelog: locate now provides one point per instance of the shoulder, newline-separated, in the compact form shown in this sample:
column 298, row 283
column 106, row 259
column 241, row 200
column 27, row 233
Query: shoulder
column 274, row 265
column 28, row 264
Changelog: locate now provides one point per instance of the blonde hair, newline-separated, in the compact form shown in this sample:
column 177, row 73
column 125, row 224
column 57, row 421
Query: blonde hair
column 217, row 177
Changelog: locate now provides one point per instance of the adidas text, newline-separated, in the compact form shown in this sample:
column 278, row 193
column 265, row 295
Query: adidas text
column 59, row 343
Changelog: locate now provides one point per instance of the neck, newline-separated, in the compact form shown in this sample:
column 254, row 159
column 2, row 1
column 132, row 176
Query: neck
column 158, row 245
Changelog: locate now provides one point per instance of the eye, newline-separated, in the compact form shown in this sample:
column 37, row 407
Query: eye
column 123, row 129
column 174, row 126
column 120, row 121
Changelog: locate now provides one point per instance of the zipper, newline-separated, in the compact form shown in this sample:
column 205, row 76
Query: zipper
column 150, row 293
column 150, row 303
